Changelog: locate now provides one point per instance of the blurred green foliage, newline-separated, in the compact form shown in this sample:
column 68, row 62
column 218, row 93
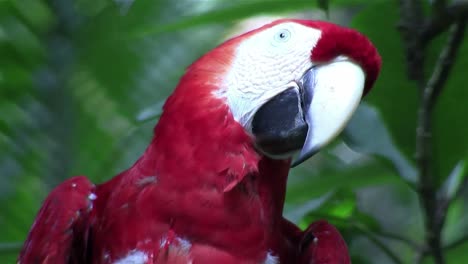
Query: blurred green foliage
column 82, row 84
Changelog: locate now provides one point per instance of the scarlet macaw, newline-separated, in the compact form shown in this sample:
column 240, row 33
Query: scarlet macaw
column 211, row 185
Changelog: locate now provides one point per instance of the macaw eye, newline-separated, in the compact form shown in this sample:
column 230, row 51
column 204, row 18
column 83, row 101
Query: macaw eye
column 283, row 35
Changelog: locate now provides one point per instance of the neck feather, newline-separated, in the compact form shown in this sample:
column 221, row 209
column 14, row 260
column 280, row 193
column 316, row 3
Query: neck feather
column 199, row 149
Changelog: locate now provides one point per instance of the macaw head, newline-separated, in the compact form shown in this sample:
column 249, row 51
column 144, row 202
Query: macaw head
column 292, row 84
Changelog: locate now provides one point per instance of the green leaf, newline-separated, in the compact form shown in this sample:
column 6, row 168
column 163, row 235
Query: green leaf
column 10, row 247
column 375, row 139
column 36, row 13
column 454, row 181
column 336, row 208
column 15, row 80
column 340, row 208
column 457, row 254
column 22, row 42
column 366, row 220
column 305, row 183
column 296, row 213
column 151, row 112
column 343, row 209
column 241, row 9
column 392, row 95
column 456, row 220
column 122, row 79
column 353, row 3
column 244, row 9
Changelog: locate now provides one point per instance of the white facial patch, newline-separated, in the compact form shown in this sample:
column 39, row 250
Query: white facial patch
column 133, row 257
column 266, row 64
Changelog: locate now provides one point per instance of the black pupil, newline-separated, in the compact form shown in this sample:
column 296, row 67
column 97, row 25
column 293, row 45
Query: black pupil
column 282, row 35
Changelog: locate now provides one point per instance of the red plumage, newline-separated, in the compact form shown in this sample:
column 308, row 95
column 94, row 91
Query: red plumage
column 60, row 232
column 326, row 245
column 201, row 192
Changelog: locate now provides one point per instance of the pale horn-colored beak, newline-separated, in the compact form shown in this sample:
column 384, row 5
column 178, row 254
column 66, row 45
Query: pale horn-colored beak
column 331, row 94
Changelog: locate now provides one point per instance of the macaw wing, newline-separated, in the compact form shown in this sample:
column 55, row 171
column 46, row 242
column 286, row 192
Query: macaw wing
column 60, row 232
column 322, row 244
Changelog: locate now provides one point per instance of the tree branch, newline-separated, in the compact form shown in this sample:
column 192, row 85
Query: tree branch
column 434, row 209
column 416, row 40
column 445, row 62
column 443, row 19
column 412, row 17
column 454, row 244
column 438, row 6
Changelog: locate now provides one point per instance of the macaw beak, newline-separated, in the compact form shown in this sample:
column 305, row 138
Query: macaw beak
column 332, row 93
column 311, row 112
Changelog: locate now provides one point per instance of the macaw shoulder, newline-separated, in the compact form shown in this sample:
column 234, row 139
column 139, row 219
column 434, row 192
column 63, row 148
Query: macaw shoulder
column 67, row 203
column 62, row 220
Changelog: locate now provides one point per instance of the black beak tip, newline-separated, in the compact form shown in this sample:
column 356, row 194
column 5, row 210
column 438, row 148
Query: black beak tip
column 304, row 156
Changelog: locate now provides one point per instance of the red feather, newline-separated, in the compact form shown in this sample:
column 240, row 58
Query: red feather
column 326, row 246
column 60, row 232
